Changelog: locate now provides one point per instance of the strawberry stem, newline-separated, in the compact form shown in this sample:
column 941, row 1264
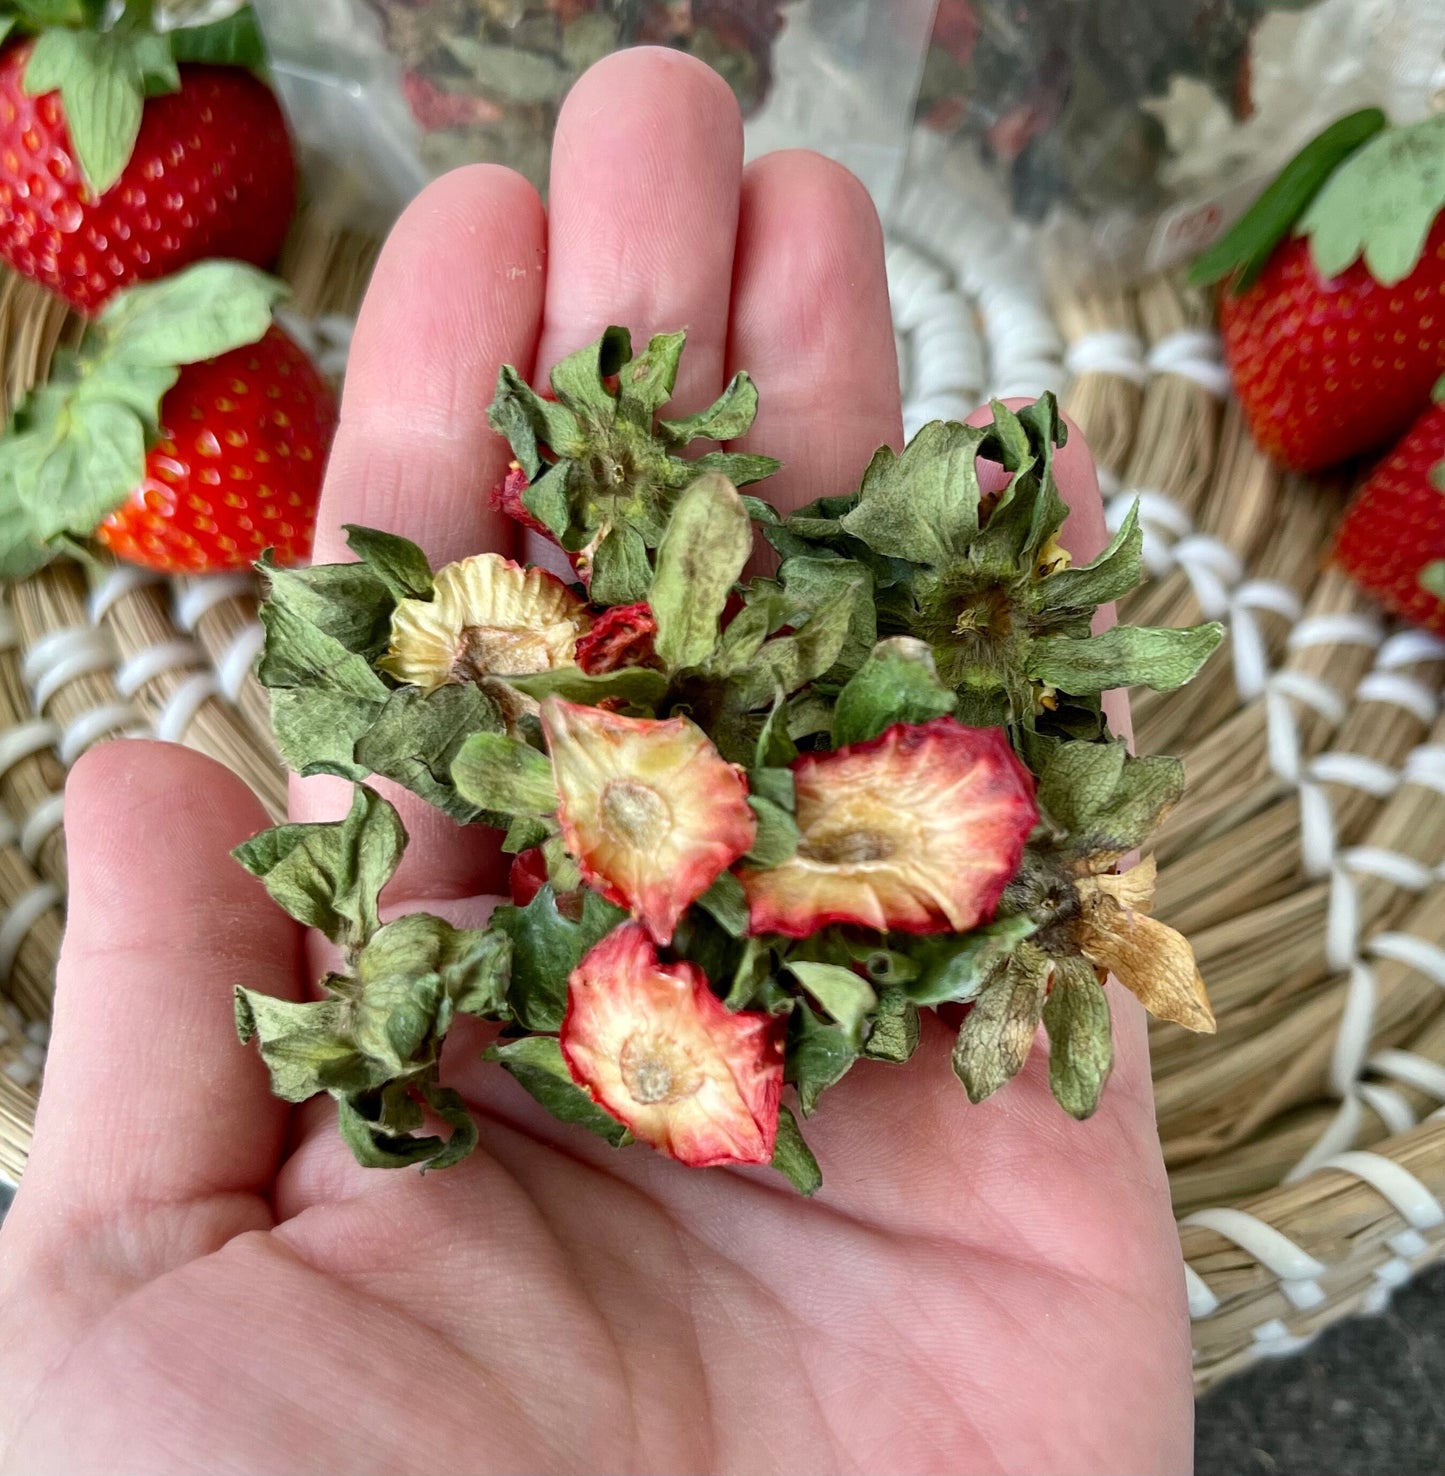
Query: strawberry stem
column 1240, row 254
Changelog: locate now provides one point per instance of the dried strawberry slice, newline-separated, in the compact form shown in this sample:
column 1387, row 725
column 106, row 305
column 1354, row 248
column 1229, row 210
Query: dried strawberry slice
column 650, row 809
column 656, row 1048
column 487, row 617
column 918, row 830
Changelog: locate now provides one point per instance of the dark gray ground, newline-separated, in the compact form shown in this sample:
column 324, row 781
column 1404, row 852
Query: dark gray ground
column 1368, row 1399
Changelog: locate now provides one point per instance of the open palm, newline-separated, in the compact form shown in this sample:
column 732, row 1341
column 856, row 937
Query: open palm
column 195, row 1277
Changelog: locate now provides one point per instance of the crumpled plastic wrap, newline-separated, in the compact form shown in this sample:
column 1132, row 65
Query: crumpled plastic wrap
column 391, row 93
column 1139, row 129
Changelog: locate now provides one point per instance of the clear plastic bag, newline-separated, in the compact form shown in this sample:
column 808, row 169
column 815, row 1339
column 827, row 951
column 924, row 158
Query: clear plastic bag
column 1138, row 129
column 393, row 92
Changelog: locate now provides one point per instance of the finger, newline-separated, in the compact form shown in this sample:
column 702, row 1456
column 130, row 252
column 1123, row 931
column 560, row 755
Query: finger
column 646, row 169
column 149, row 1097
column 811, row 324
column 456, row 294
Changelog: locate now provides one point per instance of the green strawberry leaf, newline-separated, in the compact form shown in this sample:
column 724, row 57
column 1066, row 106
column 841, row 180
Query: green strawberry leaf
column 701, row 557
column 898, row 683
column 546, row 947
column 397, row 562
column 637, row 687
column 537, row 1064
column 994, row 1040
column 1105, row 800
column 725, row 902
column 1380, row 203
column 377, row 1127
column 729, row 416
column 103, row 78
column 1113, row 574
column 414, row 741
column 303, row 1045
column 195, row 314
column 1081, row 1046
column 76, row 446
column 1241, row 253
column 894, row 1036
column 1125, row 656
column 793, row 1158
column 921, row 505
column 774, row 785
column 777, row 836
column 810, row 583
column 495, row 772
column 644, row 386
column 234, row 41
column 1432, row 578
column 847, row 999
column 954, row 969
column 818, row 1056
column 621, row 570
column 329, row 874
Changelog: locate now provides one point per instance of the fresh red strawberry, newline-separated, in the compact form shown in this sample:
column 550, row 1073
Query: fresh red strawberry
column 210, row 173
column 1392, row 541
column 1335, row 327
column 188, row 433
column 237, row 469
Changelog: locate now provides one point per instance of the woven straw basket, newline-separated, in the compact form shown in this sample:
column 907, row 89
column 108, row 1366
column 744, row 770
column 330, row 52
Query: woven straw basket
column 1305, row 862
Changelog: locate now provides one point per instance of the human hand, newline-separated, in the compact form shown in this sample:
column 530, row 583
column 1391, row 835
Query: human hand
column 197, row 1277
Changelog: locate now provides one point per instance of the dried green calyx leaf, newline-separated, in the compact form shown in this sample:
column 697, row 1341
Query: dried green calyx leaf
column 898, row 683
column 1104, row 800
column 374, row 1041
column 847, row 998
column 793, row 1158
column 1081, row 1045
column 329, row 874
column 76, row 445
column 547, row 944
column 994, row 1040
column 599, row 463
column 818, row 1056
column 700, row 558
column 536, row 1063
column 1380, row 203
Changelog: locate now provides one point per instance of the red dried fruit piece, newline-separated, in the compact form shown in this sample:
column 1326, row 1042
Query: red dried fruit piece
column 436, row 108
column 507, row 498
column 918, row 830
column 620, row 636
column 651, row 810
column 527, row 876
column 655, row 1047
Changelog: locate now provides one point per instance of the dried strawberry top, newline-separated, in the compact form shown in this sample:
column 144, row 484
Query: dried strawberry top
column 653, row 1045
column 650, row 809
column 601, row 468
column 917, row 831
column 982, row 579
